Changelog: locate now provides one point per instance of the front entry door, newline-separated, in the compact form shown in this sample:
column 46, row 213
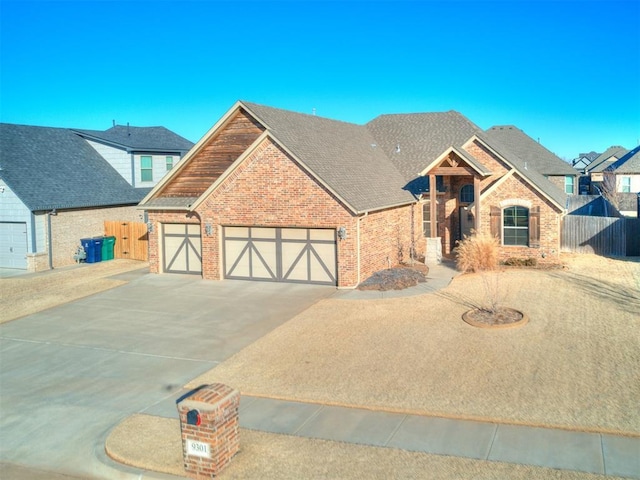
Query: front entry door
column 466, row 222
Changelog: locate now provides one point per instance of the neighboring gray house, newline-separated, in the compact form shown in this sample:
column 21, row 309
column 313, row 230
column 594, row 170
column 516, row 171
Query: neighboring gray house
column 142, row 155
column 626, row 172
column 59, row 185
column 536, row 156
column 584, row 160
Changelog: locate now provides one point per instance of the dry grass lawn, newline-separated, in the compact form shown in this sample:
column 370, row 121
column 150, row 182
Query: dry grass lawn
column 575, row 365
column 31, row 293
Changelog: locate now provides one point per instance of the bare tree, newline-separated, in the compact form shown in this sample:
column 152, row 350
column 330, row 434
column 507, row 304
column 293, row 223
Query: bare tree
column 609, row 189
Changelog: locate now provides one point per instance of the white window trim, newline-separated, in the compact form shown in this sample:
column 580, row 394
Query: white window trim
column 515, row 228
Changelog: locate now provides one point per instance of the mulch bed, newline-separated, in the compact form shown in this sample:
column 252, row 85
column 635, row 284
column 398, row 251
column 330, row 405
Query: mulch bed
column 397, row 278
column 499, row 318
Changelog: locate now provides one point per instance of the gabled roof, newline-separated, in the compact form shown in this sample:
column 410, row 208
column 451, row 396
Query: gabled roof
column 53, row 168
column 344, row 156
column 142, row 139
column 535, row 178
column 372, row 166
column 605, row 159
column 411, row 141
column 528, row 150
column 628, row 163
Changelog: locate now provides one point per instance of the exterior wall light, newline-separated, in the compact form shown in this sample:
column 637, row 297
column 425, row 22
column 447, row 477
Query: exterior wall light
column 342, row 233
column 208, row 229
column 150, row 227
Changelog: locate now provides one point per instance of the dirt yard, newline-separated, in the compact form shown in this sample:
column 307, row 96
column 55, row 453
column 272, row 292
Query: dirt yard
column 575, row 365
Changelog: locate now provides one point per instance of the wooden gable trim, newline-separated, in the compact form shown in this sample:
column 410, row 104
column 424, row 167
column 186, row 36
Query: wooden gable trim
column 211, row 133
column 436, row 167
column 267, row 135
column 513, row 167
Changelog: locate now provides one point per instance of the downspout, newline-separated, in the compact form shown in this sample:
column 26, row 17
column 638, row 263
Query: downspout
column 133, row 170
column 49, row 238
column 34, row 242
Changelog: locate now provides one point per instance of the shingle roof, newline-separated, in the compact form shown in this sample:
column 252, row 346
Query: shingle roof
column 387, row 152
column 605, row 159
column 378, row 165
column 51, row 168
column 530, row 151
column 412, row 141
column 628, row 163
column 525, row 170
column 148, row 139
column 343, row 155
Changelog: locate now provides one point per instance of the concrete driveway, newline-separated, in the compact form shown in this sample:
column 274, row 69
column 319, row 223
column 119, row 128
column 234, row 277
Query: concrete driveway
column 69, row 374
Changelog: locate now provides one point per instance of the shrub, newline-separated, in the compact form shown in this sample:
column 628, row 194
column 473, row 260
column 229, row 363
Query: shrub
column 521, row 262
column 477, row 252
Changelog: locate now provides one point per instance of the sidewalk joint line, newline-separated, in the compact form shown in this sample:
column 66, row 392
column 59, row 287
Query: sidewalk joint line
column 395, row 430
column 311, row 417
column 104, row 349
column 493, row 439
column 604, row 458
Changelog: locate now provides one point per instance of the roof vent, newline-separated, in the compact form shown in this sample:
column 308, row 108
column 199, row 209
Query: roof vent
column 398, row 148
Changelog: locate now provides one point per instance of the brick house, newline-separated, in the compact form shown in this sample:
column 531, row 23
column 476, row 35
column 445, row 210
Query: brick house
column 274, row 195
column 59, row 185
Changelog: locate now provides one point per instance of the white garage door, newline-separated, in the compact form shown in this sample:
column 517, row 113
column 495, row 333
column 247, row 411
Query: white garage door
column 13, row 245
column 295, row 255
column 181, row 248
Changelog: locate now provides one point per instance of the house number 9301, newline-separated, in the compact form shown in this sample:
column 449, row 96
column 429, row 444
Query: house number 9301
column 198, row 449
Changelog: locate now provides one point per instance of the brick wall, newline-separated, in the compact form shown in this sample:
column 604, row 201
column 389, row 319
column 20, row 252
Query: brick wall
column 270, row 190
column 387, row 238
column 513, row 191
column 68, row 227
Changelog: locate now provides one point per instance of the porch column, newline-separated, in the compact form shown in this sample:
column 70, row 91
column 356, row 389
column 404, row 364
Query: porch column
column 476, row 202
column 432, row 205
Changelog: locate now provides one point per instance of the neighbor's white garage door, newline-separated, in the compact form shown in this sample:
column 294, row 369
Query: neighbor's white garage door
column 181, row 248
column 13, row 245
column 295, row 255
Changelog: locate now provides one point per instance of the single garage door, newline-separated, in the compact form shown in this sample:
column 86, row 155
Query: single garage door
column 295, row 255
column 181, row 248
column 13, row 245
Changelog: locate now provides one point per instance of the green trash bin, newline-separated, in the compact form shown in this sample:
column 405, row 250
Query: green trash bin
column 107, row 248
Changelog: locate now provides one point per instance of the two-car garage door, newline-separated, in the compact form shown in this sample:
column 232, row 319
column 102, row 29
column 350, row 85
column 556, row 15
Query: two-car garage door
column 295, row 255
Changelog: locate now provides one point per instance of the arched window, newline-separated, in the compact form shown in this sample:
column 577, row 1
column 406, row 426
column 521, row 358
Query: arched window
column 466, row 194
column 515, row 226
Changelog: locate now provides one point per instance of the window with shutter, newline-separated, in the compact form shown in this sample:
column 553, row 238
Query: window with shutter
column 515, row 226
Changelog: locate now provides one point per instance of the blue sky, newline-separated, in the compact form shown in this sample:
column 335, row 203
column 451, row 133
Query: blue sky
column 565, row 72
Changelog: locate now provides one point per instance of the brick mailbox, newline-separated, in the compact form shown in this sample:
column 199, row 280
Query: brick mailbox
column 209, row 425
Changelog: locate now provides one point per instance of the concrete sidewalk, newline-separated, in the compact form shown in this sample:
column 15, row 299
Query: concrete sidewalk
column 594, row 453
column 560, row 449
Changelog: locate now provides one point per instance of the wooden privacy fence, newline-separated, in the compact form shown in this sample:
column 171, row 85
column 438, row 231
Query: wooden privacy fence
column 132, row 239
column 611, row 236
